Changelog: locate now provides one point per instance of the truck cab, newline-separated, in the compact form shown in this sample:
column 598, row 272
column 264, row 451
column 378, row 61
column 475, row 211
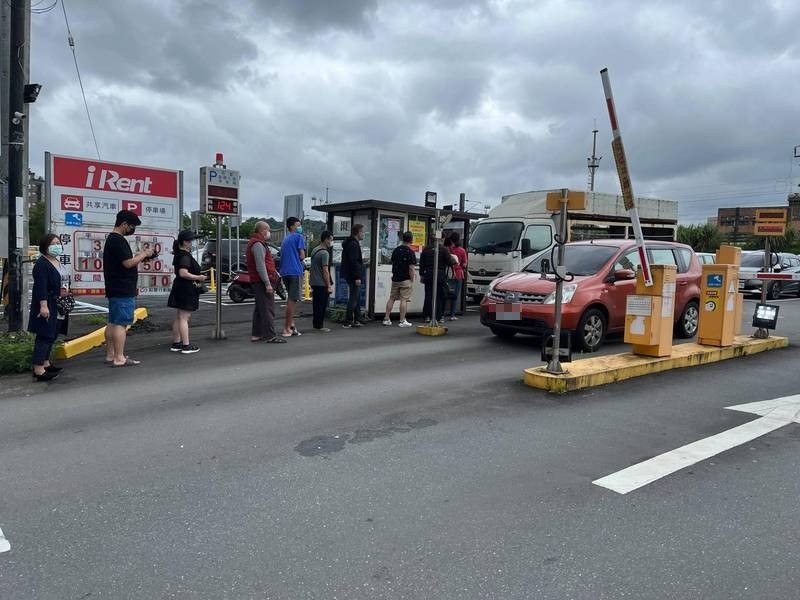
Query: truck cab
column 502, row 245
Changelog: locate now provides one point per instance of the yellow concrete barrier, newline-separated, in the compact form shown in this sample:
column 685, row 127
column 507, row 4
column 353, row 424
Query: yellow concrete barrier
column 431, row 331
column 600, row 370
column 91, row 340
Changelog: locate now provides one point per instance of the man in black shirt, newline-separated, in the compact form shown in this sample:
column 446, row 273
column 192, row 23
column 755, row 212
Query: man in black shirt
column 426, row 271
column 121, row 272
column 403, row 261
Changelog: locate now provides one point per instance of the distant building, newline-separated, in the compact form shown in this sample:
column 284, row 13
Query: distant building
column 740, row 221
column 36, row 187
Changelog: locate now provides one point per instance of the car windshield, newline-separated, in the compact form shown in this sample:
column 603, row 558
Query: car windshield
column 756, row 260
column 491, row 238
column 579, row 259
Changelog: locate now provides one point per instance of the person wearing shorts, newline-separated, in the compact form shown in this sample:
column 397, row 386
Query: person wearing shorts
column 293, row 251
column 403, row 261
column 121, row 273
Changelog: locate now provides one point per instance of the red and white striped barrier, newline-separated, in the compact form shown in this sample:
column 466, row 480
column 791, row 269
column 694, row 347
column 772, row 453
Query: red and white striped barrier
column 778, row 276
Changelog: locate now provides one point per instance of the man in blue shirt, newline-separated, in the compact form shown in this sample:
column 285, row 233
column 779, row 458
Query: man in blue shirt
column 293, row 251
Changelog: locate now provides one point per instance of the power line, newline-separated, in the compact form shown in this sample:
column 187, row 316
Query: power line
column 71, row 41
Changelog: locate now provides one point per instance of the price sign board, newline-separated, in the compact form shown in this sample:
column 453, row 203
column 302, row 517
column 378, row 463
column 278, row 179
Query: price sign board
column 83, row 197
column 219, row 191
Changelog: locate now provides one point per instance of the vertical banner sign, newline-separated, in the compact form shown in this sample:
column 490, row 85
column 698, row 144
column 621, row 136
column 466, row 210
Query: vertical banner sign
column 625, row 179
column 83, row 198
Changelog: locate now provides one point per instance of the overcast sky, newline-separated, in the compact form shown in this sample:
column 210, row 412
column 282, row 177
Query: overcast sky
column 387, row 99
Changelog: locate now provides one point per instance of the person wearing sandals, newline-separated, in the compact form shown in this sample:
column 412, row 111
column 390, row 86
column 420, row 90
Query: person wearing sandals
column 44, row 319
column 261, row 269
column 184, row 296
column 121, row 275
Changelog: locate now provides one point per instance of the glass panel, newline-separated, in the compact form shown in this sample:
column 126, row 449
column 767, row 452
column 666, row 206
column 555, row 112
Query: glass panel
column 579, row 260
column 390, row 233
column 499, row 236
column 628, row 261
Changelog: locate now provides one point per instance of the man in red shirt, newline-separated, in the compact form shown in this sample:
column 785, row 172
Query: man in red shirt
column 264, row 278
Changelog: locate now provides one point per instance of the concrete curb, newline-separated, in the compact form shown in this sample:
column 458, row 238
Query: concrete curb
column 601, row 370
column 91, row 340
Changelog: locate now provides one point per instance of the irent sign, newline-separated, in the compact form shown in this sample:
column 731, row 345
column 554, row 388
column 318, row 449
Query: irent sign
column 83, row 198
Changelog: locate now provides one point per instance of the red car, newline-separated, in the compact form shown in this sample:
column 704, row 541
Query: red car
column 602, row 275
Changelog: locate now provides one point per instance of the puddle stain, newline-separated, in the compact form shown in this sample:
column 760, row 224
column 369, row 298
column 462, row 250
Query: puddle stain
column 323, row 445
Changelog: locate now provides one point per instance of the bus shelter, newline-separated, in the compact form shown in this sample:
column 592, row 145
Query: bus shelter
column 384, row 224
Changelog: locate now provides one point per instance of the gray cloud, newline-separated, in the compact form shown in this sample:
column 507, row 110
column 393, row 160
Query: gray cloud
column 387, row 99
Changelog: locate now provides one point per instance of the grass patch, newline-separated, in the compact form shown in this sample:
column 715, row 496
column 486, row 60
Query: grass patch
column 96, row 319
column 16, row 352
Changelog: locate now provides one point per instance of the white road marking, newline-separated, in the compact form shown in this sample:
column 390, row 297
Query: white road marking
column 774, row 415
column 5, row 546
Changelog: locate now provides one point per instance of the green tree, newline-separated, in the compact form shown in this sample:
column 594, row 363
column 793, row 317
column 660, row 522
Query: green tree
column 36, row 224
column 703, row 238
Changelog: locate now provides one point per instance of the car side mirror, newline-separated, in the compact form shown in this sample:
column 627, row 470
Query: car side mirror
column 526, row 247
column 624, row 275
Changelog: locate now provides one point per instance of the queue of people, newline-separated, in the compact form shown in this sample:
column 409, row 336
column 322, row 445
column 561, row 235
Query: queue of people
column 51, row 299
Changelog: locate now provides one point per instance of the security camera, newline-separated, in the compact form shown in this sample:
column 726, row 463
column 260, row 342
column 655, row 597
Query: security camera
column 17, row 118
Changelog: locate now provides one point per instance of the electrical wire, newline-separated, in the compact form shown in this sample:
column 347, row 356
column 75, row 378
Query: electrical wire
column 71, row 41
column 35, row 7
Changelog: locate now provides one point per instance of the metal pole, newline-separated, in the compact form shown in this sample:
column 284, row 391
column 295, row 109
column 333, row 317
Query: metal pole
column 762, row 333
column 554, row 366
column 434, row 320
column 16, row 160
column 218, row 333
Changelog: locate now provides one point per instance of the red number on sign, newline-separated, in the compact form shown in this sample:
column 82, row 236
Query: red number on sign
column 165, row 280
column 157, row 265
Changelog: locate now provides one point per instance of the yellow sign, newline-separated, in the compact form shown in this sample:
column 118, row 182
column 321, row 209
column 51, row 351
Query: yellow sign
column 418, row 228
column 575, row 200
column 774, row 215
column 768, row 229
column 622, row 171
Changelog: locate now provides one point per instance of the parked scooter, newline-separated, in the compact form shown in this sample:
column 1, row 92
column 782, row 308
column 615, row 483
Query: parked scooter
column 241, row 288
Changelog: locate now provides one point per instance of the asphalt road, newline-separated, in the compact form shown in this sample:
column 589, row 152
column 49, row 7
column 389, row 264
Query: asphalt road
column 377, row 463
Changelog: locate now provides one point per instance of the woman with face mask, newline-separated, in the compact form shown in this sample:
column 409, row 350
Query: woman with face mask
column 184, row 295
column 44, row 320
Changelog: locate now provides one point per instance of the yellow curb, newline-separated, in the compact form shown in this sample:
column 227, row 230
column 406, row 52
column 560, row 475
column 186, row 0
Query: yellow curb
column 431, row 331
column 600, row 370
column 91, row 340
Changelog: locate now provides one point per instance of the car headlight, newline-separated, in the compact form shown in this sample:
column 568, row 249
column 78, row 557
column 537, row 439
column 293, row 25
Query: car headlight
column 567, row 292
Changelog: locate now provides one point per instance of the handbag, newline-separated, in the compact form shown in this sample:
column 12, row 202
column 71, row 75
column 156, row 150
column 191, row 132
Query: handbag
column 65, row 303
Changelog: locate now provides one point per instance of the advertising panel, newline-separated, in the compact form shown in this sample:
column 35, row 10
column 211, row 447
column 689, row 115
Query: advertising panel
column 83, row 198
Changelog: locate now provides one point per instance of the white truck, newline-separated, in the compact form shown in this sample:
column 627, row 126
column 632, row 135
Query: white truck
column 520, row 226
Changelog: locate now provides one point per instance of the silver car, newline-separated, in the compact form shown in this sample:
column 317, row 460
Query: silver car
column 753, row 262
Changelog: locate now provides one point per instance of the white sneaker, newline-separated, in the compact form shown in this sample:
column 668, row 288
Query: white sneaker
column 404, row 324
column 454, row 318
column 387, row 322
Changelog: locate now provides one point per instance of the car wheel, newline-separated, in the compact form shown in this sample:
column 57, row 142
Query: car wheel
column 236, row 295
column 774, row 291
column 503, row 333
column 686, row 327
column 591, row 330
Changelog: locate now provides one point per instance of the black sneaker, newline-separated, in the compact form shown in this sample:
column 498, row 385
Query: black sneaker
column 176, row 347
column 347, row 326
column 357, row 324
column 189, row 349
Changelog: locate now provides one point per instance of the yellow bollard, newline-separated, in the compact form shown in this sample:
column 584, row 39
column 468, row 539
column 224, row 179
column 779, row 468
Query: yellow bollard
column 213, row 286
column 306, row 286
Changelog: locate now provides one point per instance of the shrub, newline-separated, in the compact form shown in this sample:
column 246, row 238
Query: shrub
column 16, row 351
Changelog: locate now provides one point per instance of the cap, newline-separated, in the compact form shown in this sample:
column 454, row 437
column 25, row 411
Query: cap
column 127, row 216
column 186, row 235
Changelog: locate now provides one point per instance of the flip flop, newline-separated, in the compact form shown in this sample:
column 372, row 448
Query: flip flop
column 129, row 362
column 276, row 340
column 110, row 362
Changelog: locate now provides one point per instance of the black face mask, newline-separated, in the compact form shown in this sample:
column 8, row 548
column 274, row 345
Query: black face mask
column 131, row 229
